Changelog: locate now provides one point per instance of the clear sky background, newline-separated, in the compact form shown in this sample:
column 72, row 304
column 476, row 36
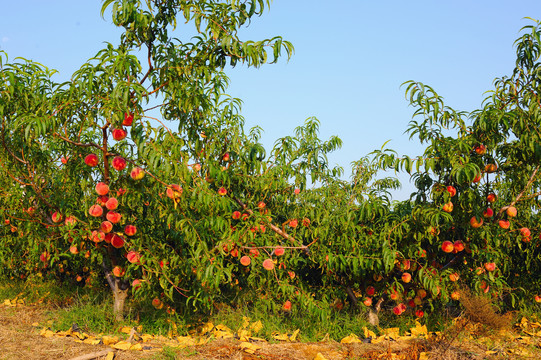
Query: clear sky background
column 350, row 58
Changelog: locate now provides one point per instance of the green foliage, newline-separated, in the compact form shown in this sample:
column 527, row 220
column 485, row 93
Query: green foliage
column 211, row 194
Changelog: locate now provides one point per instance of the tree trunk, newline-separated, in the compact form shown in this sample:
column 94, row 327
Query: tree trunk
column 119, row 296
column 120, row 289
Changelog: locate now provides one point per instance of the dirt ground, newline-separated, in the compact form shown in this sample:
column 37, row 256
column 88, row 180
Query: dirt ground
column 20, row 339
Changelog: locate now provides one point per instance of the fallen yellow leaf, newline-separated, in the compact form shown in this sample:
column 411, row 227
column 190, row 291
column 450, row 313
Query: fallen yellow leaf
column 110, row 355
column 91, row 341
column 121, row 345
column 256, row 326
column 320, row 356
column 352, row 338
column 368, row 333
column 293, row 336
column 108, row 340
column 249, row 347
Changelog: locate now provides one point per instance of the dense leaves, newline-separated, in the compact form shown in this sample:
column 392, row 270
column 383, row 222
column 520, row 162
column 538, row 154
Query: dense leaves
column 187, row 209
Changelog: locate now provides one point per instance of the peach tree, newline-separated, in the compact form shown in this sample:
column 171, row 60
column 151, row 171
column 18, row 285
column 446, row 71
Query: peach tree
column 94, row 178
column 475, row 209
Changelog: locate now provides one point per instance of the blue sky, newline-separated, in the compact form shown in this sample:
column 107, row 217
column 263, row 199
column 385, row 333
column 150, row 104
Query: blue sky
column 350, row 59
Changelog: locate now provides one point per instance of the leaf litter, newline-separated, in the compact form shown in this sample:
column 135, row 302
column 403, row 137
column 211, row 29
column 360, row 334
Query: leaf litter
column 22, row 335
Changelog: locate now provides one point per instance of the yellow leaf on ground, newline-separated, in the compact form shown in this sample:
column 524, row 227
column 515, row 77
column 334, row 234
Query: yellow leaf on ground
column 245, row 322
column 378, row 339
column 243, row 334
column 36, row 324
column 7, row 302
column 108, row 340
column 91, row 341
column 368, row 333
column 186, row 340
column 207, row 328
column 419, row 330
column 253, row 338
column 147, row 337
column 490, row 352
column 256, row 326
column 202, row 341
column 392, row 332
column 122, row 345
column 46, row 333
column 293, row 336
column 423, row 356
column 125, row 329
column 281, row 337
column 320, row 356
column 249, row 347
column 137, row 347
column 352, row 338
column 110, row 355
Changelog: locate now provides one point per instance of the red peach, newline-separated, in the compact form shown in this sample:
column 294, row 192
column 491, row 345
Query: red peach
column 525, row 232
column 511, row 211
column 97, row 236
column 117, row 241
column 235, row 215
column 174, row 191
column 287, row 306
column 447, row 246
column 268, row 264
column 130, row 230
column 137, row 173
column 119, row 134
column 490, row 266
column 113, row 217
column 106, row 227
column 136, row 284
column 475, row 222
column 458, row 246
column 57, row 217
column 406, row 277
column 451, row 190
column 70, row 220
column 118, row 271
column 419, row 313
column 222, row 191
column 488, row 213
column 111, row 204
column 491, row 198
column 102, row 200
column 504, row 224
column 133, row 257
column 95, row 210
column 480, row 149
column 91, row 160
column 102, row 188
column 370, row 291
column 448, row 207
column 245, row 260
column 279, row 251
column 293, row 223
column 119, row 163
column 367, row 301
column 128, row 119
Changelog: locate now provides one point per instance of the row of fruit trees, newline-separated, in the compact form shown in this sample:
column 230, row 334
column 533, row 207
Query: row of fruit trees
column 187, row 209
